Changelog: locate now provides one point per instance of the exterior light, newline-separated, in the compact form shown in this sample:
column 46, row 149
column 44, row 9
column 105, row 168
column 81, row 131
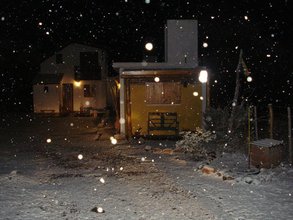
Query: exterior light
column 149, row 46
column 203, row 76
column 77, row 83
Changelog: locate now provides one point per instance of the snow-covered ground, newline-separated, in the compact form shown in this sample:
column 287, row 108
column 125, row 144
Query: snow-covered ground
column 73, row 175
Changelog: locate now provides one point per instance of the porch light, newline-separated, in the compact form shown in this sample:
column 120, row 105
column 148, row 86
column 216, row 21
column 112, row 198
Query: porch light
column 203, row 76
column 77, row 83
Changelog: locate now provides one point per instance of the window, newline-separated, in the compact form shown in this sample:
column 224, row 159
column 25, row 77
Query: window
column 46, row 89
column 89, row 90
column 59, row 58
column 163, row 93
column 90, row 68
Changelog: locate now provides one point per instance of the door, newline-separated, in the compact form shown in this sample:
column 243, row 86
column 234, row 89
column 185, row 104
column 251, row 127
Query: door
column 67, row 96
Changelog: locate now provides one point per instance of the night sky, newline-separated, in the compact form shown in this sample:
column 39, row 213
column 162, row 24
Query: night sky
column 32, row 30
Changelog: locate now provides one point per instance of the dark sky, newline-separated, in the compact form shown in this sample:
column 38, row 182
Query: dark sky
column 33, row 29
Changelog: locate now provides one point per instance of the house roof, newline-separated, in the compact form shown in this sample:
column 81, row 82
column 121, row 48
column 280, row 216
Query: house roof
column 148, row 70
column 81, row 45
column 48, row 78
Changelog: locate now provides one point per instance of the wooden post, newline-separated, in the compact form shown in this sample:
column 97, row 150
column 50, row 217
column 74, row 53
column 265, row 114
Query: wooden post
column 248, row 138
column 236, row 94
column 290, row 136
column 255, row 123
column 271, row 120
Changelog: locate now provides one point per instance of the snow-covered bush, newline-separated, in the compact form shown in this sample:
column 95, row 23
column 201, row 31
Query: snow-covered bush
column 193, row 141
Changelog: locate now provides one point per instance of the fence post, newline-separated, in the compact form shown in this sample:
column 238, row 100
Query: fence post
column 271, row 119
column 290, row 136
column 248, row 138
column 255, row 122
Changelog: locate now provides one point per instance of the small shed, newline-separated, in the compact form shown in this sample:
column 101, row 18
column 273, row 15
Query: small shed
column 161, row 99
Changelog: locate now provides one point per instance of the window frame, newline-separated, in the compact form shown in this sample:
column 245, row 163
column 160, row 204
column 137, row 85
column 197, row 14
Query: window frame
column 163, row 93
column 90, row 91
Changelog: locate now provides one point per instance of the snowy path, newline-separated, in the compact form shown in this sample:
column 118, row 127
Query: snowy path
column 236, row 199
column 40, row 180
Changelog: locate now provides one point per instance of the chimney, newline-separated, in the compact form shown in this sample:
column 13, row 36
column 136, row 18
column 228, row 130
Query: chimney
column 181, row 42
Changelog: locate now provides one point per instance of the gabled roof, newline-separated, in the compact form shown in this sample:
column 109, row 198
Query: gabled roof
column 80, row 45
column 48, row 78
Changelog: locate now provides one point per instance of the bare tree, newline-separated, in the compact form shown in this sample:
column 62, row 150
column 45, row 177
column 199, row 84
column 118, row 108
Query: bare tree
column 236, row 93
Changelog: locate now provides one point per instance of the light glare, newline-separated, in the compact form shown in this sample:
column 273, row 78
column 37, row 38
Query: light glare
column 203, row 76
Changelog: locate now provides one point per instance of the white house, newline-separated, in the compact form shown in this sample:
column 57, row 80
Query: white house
column 72, row 80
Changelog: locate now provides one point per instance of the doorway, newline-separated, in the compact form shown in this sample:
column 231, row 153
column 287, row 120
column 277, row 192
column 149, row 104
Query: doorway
column 67, row 97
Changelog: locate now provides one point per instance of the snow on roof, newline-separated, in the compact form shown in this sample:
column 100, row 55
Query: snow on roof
column 267, row 142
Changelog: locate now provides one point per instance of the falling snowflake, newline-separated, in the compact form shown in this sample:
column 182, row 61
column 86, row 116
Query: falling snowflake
column 157, row 79
column 100, row 210
column 80, row 156
column 102, row 180
column 149, row 46
column 113, row 140
column 49, row 140
column 249, row 79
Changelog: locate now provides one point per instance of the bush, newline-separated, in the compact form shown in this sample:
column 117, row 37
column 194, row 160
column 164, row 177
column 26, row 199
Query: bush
column 193, row 142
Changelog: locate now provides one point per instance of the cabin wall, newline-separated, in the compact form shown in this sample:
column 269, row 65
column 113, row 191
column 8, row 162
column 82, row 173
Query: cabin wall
column 99, row 99
column 189, row 111
column 46, row 100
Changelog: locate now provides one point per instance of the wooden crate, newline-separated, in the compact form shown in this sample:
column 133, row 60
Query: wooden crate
column 266, row 153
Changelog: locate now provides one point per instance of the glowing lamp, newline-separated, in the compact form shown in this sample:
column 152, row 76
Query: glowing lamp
column 77, row 83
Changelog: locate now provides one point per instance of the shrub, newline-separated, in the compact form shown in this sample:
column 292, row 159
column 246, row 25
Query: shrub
column 193, row 141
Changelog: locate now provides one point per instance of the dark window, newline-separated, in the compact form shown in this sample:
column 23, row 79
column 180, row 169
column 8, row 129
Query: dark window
column 77, row 73
column 89, row 90
column 59, row 58
column 163, row 93
column 89, row 66
column 46, row 89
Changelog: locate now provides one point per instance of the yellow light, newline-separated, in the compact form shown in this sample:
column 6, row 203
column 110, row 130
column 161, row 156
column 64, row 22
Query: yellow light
column 77, row 83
